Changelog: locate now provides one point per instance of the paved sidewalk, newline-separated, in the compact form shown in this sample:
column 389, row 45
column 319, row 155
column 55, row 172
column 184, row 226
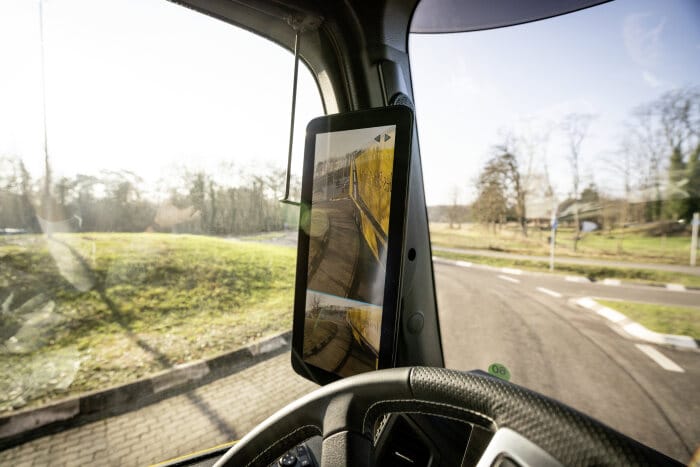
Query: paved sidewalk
column 210, row 415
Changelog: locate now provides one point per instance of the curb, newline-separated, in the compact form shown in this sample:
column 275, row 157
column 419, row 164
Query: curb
column 635, row 329
column 25, row 425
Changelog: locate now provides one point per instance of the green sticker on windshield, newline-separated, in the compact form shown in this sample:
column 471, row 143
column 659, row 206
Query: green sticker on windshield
column 499, row 371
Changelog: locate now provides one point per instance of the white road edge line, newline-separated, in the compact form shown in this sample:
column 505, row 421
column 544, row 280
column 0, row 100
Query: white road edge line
column 662, row 360
column 516, row 272
column 613, row 282
column 675, row 287
column 577, row 279
column 509, row 279
column 464, row 264
column 551, row 293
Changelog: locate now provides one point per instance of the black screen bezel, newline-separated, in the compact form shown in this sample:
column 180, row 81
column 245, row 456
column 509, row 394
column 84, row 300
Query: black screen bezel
column 402, row 118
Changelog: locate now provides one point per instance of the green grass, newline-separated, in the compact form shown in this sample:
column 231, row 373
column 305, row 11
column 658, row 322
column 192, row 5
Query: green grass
column 645, row 276
column 632, row 245
column 158, row 299
column 666, row 319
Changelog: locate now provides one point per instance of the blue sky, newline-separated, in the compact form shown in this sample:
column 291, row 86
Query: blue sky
column 605, row 60
column 145, row 84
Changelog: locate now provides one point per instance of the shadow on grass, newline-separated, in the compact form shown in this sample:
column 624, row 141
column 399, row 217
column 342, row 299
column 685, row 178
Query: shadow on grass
column 121, row 319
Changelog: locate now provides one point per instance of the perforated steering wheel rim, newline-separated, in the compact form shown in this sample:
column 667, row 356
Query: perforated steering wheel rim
column 345, row 412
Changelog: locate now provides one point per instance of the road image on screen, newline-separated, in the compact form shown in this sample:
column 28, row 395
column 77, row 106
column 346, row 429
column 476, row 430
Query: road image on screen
column 348, row 235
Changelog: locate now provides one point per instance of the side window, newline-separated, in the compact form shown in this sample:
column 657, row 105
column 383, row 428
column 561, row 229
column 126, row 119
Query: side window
column 143, row 150
column 562, row 173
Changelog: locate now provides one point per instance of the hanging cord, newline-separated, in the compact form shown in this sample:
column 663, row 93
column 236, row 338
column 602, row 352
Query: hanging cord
column 286, row 199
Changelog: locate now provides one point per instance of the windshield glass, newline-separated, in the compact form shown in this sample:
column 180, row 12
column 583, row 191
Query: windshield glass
column 143, row 249
column 562, row 172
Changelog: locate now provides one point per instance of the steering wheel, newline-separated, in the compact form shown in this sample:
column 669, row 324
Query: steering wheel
column 530, row 429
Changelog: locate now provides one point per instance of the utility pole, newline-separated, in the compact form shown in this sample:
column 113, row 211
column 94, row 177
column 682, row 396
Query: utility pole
column 552, row 238
column 694, row 239
column 47, row 169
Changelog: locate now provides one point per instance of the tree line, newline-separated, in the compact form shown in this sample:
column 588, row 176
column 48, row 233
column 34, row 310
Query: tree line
column 117, row 201
column 657, row 166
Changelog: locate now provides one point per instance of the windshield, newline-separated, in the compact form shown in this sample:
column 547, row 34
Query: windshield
column 562, row 173
column 143, row 249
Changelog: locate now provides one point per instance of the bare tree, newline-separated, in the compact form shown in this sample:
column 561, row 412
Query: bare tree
column 491, row 203
column 575, row 127
column 624, row 164
column 315, row 305
column 507, row 163
column 679, row 116
column 647, row 142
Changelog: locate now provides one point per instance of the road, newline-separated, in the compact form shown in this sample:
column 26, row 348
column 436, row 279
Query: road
column 578, row 286
column 524, row 321
column 341, row 263
column 528, row 323
column 340, row 354
column 333, row 258
column 569, row 260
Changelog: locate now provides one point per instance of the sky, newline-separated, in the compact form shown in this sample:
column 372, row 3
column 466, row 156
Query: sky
column 149, row 86
column 340, row 143
column 471, row 87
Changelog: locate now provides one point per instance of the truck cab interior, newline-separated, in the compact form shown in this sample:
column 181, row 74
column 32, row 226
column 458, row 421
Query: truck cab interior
column 420, row 413
column 435, row 403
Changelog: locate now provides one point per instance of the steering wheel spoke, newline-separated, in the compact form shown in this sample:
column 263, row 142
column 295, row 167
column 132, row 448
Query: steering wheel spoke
column 345, row 449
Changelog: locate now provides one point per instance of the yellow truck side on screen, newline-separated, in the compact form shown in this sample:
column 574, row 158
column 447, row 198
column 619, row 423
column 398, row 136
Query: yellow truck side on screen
column 370, row 189
column 366, row 325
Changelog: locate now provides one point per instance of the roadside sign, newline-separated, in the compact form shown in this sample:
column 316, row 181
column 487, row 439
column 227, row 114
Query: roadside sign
column 694, row 238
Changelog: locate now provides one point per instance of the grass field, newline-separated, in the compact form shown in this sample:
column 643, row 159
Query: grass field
column 632, row 245
column 149, row 301
column 660, row 318
column 644, row 276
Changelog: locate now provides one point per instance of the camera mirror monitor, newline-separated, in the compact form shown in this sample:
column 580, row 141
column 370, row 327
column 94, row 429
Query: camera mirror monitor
column 351, row 242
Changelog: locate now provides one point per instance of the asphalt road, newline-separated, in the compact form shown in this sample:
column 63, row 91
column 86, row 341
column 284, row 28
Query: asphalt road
column 569, row 353
column 333, row 261
column 343, row 264
column 341, row 354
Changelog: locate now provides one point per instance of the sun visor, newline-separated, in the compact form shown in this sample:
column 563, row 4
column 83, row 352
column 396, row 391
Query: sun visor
column 441, row 16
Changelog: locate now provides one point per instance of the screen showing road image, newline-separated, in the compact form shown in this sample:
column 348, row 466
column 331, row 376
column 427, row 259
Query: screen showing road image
column 348, row 235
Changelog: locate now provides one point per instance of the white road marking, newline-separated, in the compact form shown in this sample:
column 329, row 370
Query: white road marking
column 612, row 282
column 587, row 302
column 464, row 264
column 509, row 279
column 517, row 272
column 640, row 332
column 551, row 293
column 577, row 279
column 675, row 287
column 662, row 360
column 610, row 314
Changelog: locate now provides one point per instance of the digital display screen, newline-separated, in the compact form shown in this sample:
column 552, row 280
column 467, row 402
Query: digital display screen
column 348, row 240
